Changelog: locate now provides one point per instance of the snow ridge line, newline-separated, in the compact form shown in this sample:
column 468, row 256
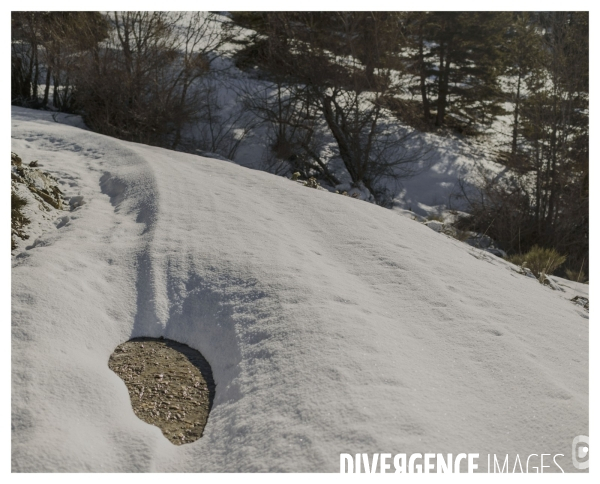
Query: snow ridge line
column 174, row 297
column 133, row 191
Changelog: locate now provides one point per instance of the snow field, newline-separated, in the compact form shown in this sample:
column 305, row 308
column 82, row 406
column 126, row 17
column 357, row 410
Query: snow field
column 331, row 325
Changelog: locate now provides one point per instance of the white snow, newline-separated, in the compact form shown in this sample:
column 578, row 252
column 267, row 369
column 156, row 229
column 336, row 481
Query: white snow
column 331, row 325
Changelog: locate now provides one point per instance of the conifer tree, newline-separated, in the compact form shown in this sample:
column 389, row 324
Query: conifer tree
column 460, row 51
column 523, row 56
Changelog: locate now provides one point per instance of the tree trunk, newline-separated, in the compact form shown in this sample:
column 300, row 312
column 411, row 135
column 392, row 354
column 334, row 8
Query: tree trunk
column 36, row 75
column 423, row 76
column 516, row 118
column 342, row 140
column 538, row 186
column 438, row 118
column 30, row 74
column 47, row 87
column 64, row 105
column 443, row 87
column 55, row 94
column 552, row 166
column 177, row 138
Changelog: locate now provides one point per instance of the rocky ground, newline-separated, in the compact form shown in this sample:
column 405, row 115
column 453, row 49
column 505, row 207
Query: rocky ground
column 36, row 200
column 169, row 383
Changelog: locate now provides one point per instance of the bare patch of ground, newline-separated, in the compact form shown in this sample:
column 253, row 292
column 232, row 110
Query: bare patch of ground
column 35, row 197
column 170, row 385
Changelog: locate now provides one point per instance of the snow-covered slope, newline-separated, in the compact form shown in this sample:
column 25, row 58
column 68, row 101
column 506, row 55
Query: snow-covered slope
column 331, row 325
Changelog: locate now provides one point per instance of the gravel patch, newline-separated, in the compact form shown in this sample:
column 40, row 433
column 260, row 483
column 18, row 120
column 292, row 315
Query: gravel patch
column 170, row 385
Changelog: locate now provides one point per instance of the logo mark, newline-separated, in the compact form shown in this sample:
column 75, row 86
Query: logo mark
column 580, row 452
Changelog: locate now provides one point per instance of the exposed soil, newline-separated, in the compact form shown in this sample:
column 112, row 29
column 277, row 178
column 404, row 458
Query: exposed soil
column 33, row 193
column 170, row 385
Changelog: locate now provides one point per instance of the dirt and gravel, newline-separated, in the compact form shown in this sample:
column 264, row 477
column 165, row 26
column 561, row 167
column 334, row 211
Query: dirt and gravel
column 170, row 385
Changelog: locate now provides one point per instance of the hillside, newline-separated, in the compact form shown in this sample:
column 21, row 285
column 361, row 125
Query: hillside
column 331, row 325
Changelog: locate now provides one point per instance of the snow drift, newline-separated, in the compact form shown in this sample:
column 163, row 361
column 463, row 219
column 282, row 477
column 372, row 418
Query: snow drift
column 331, row 325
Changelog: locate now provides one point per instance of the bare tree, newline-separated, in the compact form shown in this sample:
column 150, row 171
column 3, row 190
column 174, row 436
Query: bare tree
column 294, row 130
column 335, row 69
column 200, row 36
column 45, row 47
column 220, row 128
column 138, row 85
column 373, row 152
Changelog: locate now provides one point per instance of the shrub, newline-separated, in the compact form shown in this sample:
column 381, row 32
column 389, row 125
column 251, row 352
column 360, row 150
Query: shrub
column 539, row 260
column 577, row 276
column 17, row 219
column 462, row 235
column 16, row 203
column 435, row 216
column 516, row 259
